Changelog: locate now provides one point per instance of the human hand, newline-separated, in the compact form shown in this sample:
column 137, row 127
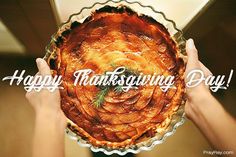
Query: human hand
column 205, row 111
column 195, row 95
column 44, row 102
column 50, row 121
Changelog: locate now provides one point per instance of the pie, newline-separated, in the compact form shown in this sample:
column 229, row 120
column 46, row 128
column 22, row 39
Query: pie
column 118, row 36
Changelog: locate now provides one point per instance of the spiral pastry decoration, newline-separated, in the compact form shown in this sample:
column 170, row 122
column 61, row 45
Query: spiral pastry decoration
column 109, row 38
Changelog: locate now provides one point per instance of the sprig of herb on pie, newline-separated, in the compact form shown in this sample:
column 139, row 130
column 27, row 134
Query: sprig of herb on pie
column 103, row 90
column 99, row 99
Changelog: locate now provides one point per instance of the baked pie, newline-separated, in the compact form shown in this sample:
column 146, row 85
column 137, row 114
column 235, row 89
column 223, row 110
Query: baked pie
column 111, row 37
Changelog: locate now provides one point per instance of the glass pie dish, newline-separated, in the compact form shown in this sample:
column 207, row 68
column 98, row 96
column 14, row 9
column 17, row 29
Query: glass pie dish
column 176, row 35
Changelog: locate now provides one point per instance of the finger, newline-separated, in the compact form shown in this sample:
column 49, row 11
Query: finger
column 43, row 67
column 205, row 70
column 192, row 62
column 29, row 93
column 35, row 76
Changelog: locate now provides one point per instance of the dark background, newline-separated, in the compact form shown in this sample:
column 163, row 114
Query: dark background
column 32, row 22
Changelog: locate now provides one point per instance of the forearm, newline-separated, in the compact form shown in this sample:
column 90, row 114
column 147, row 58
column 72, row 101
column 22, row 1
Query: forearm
column 215, row 123
column 49, row 135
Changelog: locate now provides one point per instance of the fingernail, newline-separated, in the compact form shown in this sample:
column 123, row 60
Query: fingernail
column 191, row 43
column 38, row 62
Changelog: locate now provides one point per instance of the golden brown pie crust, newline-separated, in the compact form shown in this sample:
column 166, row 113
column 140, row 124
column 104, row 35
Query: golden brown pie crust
column 114, row 36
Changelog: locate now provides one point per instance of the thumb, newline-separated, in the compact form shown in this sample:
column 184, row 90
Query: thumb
column 43, row 67
column 192, row 53
column 192, row 59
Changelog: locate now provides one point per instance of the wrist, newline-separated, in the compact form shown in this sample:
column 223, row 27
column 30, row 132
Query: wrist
column 197, row 103
column 199, row 98
column 50, row 117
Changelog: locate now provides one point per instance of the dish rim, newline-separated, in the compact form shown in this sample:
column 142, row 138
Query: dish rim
column 180, row 114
